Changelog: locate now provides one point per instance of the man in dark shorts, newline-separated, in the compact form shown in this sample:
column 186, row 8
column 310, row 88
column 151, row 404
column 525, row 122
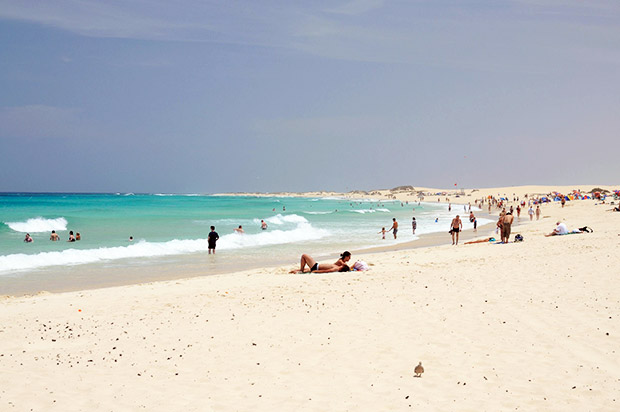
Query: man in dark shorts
column 213, row 237
column 456, row 227
column 394, row 228
column 506, row 227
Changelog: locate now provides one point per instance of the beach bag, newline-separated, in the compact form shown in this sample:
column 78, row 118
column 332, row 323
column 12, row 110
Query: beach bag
column 360, row 265
column 518, row 238
column 586, row 229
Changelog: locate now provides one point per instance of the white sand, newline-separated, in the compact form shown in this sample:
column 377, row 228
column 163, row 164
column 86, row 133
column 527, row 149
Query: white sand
column 525, row 326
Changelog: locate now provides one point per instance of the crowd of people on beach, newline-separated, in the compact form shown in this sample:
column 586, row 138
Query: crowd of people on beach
column 503, row 228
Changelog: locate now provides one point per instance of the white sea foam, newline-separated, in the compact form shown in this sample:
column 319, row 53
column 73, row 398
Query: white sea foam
column 38, row 224
column 320, row 213
column 363, row 211
column 318, row 199
column 282, row 219
column 302, row 232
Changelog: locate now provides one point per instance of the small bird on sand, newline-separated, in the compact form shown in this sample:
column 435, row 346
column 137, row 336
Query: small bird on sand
column 419, row 370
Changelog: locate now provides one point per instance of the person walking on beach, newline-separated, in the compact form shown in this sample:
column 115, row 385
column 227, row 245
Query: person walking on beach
column 531, row 213
column 506, row 227
column 537, row 212
column 212, row 238
column 54, row 236
column 456, row 227
column 414, row 224
column 394, row 228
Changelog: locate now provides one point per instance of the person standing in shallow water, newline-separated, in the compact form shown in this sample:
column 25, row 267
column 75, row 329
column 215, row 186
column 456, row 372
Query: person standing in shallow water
column 394, row 228
column 414, row 224
column 212, row 239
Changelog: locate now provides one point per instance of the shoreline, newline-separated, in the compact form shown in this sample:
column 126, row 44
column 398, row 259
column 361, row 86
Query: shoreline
column 110, row 277
column 115, row 276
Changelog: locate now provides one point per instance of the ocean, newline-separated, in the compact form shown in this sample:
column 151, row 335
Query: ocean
column 170, row 234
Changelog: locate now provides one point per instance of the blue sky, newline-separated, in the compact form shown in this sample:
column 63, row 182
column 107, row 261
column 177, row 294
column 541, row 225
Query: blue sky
column 211, row 96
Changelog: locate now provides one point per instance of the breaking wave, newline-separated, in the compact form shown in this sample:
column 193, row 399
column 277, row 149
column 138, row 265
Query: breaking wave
column 38, row 224
column 303, row 231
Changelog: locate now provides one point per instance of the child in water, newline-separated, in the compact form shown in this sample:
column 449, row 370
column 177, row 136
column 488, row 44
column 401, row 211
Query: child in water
column 382, row 233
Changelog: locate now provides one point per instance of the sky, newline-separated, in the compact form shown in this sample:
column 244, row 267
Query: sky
column 207, row 96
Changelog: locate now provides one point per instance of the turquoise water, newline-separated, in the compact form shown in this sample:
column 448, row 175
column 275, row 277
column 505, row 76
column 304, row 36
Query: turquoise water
column 174, row 229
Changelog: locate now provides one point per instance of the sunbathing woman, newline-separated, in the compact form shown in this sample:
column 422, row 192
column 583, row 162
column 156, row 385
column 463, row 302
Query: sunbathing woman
column 315, row 267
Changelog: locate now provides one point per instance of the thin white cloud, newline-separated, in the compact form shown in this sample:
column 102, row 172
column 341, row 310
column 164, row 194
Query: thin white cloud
column 100, row 19
column 518, row 36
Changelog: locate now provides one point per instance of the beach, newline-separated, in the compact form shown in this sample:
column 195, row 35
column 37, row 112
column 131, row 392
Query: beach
column 170, row 232
column 533, row 325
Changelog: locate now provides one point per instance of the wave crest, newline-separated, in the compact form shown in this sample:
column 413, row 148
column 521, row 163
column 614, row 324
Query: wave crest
column 38, row 224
